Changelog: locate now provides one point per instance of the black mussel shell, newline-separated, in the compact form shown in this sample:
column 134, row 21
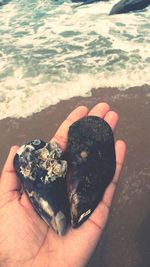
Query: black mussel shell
column 92, row 163
column 42, row 173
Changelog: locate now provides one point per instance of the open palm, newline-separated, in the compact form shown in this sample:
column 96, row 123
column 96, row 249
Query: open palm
column 25, row 239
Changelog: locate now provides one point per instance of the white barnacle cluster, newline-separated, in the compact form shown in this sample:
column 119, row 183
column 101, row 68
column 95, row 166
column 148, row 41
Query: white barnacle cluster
column 56, row 151
column 25, row 171
column 43, row 154
column 83, row 156
column 55, row 170
column 24, row 154
column 48, row 160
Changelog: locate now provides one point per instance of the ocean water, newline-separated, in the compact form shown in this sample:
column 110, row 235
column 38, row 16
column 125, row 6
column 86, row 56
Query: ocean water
column 54, row 50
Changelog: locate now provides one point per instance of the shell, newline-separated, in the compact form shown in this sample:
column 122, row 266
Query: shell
column 92, row 165
column 42, row 172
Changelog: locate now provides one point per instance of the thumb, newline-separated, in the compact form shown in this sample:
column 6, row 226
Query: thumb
column 8, row 180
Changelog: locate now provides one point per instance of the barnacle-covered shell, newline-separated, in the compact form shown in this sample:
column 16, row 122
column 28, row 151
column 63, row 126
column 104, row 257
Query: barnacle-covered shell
column 92, row 165
column 42, row 172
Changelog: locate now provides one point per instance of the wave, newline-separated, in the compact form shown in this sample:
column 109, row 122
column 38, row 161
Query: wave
column 56, row 50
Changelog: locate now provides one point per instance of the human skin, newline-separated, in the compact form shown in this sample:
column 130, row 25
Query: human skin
column 25, row 239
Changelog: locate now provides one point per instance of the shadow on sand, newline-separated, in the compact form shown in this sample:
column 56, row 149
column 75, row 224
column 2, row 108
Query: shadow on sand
column 143, row 239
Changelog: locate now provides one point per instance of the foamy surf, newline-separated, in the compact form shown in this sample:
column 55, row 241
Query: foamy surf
column 53, row 51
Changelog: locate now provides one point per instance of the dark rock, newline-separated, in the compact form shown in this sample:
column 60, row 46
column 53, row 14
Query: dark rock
column 88, row 1
column 92, row 165
column 42, row 173
column 125, row 6
column 4, row 2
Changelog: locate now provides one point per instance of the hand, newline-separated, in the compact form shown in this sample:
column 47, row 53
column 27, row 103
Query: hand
column 25, row 239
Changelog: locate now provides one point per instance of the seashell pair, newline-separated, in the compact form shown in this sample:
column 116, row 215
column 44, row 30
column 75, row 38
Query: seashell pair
column 64, row 192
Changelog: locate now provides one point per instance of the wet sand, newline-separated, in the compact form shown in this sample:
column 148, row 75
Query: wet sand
column 126, row 239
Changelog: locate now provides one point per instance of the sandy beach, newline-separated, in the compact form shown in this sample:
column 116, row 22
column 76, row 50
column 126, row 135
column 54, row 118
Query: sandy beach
column 126, row 239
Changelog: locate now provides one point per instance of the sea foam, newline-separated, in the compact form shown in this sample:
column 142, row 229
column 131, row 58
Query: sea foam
column 52, row 51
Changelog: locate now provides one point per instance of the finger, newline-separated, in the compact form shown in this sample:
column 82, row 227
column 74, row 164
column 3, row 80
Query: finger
column 120, row 148
column 9, row 180
column 99, row 110
column 93, row 227
column 111, row 118
column 120, row 155
column 62, row 133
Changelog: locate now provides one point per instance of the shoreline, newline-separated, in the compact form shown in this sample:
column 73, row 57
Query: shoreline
column 125, row 240
column 43, row 124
